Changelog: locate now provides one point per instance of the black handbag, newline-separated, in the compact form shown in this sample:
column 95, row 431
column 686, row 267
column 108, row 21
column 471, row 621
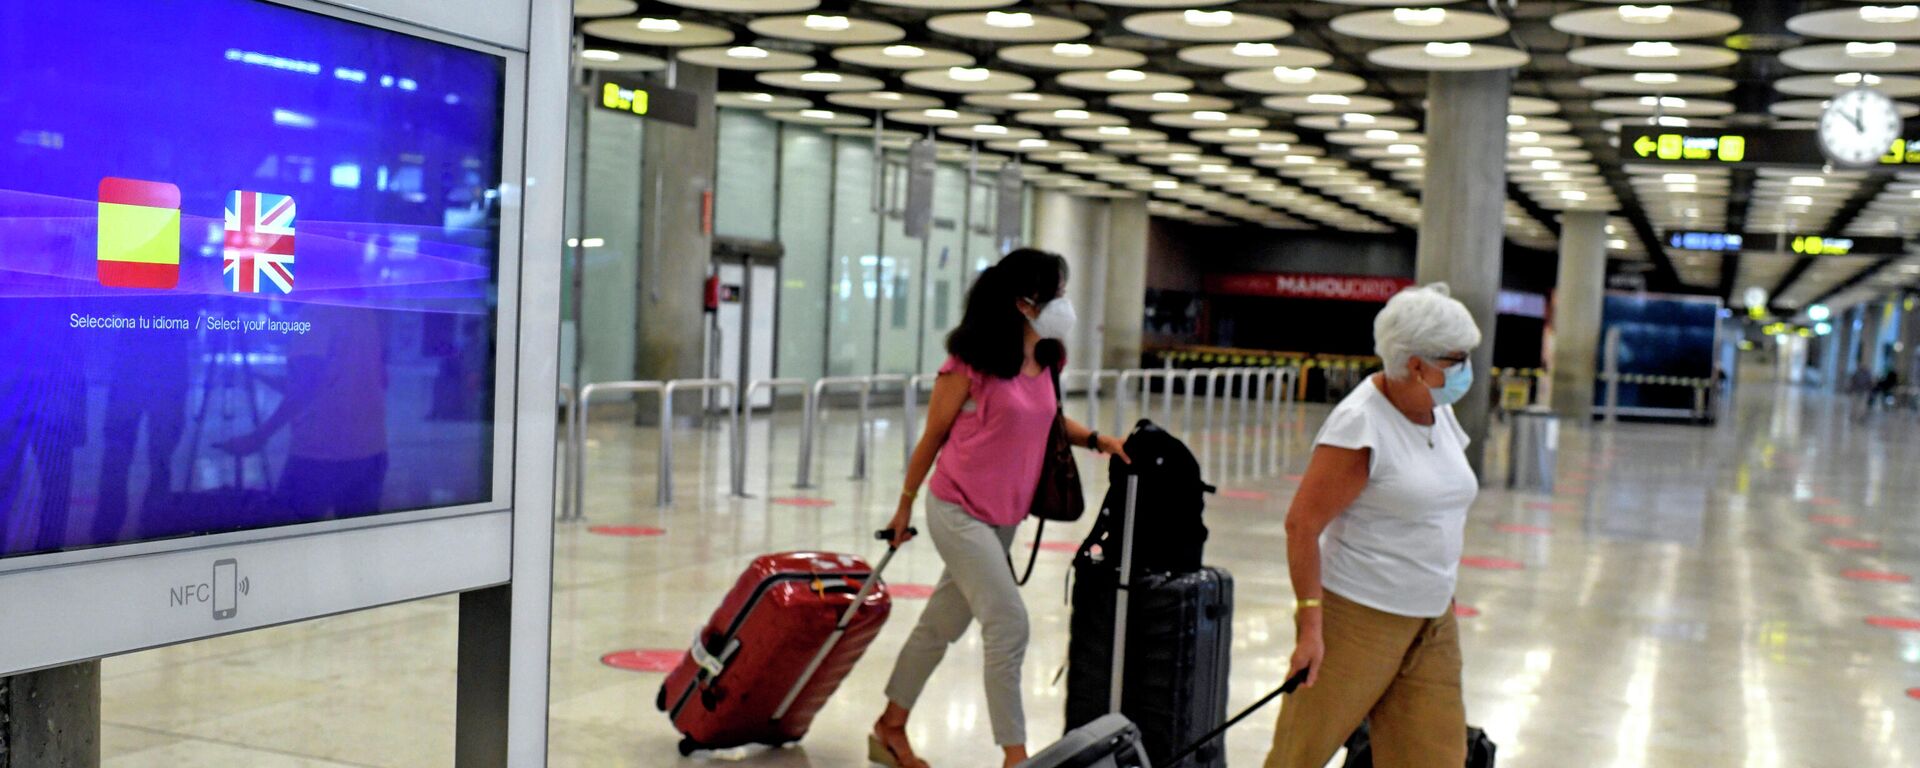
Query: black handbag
column 1059, row 496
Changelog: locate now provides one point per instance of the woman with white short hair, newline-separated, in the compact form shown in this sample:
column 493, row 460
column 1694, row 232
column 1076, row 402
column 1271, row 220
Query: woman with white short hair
column 1373, row 543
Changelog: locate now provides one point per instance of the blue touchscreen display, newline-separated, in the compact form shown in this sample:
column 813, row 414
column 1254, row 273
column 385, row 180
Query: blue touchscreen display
column 248, row 261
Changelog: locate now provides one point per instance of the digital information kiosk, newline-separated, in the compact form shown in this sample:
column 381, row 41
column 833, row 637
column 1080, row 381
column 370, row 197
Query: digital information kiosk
column 279, row 288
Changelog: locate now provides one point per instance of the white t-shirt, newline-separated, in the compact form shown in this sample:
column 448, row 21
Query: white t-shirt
column 1397, row 548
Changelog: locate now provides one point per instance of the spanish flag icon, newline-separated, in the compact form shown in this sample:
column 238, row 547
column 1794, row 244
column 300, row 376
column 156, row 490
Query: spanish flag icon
column 139, row 234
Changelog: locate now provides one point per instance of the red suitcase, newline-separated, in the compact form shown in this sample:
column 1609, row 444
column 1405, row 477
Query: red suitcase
column 776, row 649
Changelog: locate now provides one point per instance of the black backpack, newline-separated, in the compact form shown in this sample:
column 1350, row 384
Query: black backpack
column 1169, row 534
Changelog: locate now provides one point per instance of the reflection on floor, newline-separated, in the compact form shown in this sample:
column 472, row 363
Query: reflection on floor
column 1688, row 597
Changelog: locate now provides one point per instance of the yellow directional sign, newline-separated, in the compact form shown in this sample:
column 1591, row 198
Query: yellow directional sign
column 1645, row 145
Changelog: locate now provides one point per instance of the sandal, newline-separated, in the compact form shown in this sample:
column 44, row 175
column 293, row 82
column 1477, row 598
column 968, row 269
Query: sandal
column 880, row 753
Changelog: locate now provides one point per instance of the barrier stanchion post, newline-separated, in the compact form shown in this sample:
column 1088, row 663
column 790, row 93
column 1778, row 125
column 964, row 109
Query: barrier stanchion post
column 912, row 413
column 1186, row 417
column 861, row 436
column 1167, row 377
column 1123, row 398
column 583, row 402
column 1258, row 409
column 746, row 406
column 803, row 475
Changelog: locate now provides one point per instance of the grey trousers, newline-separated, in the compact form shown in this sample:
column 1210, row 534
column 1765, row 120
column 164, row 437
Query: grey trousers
column 977, row 583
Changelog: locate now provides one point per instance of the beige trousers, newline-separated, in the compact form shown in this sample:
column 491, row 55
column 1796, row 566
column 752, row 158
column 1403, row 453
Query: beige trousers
column 1402, row 673
column 977, row 583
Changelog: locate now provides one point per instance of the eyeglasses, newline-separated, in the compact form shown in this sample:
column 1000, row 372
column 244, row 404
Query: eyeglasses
column 1449, row 361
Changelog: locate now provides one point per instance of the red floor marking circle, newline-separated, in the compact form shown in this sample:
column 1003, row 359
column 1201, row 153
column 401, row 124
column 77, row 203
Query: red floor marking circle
column 1839, row 521
column 1839, row 543
column 1894, row 622
column 630, row 531
column 910, row 591
column 1824, row 501
column 1913, row 693
column 644, row 660
column 1492, row 563
column 1533, row 530
column 1059, row 546
column 1244, row 495
column 1890, row 577
column 1464, row 611
column 803, row 501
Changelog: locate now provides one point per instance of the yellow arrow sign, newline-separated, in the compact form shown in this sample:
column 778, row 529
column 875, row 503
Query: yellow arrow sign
column 1645, row 145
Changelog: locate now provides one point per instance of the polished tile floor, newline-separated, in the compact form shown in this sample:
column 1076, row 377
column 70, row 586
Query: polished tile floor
column 1687, row 597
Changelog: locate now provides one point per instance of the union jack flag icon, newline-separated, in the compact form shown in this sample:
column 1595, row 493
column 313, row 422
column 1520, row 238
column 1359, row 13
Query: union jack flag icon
column 259, row 242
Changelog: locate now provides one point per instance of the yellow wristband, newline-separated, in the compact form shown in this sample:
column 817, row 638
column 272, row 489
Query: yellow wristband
column 1301, row 605
column 909, row 495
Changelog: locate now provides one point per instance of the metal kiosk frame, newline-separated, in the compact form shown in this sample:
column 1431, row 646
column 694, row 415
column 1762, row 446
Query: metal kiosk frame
column 68, row 609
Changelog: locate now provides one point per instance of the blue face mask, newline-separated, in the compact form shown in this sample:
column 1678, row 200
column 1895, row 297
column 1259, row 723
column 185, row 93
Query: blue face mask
column 1459, row 380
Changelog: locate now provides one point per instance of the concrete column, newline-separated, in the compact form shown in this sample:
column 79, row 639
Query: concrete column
column 1867, row 346
column 1076, row 228
column 676, row 180
column 1909, row 335
column 1126, row 289
column 1831, row 377
column 51, row 718
column 1842, row 355
column 1577, row 297
column 1462, row 228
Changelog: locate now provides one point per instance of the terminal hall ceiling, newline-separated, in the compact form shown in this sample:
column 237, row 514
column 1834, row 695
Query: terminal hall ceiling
column 1310, row 114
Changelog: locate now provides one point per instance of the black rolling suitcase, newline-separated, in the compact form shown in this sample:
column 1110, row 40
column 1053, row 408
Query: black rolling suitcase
column 1480, row 749
column 1172, row 662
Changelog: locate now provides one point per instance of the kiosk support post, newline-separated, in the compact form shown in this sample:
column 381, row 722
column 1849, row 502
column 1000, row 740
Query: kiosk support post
column 485, row 653
column 51, row 718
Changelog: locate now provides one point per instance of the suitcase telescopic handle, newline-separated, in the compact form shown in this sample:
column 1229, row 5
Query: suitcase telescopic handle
column 886, row 534
column 1284, row 689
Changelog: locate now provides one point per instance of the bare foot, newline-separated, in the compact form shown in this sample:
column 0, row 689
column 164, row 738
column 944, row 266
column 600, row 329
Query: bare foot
column 1015, row 756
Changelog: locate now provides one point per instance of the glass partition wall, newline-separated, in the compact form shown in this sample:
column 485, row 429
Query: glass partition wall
column 856, row 294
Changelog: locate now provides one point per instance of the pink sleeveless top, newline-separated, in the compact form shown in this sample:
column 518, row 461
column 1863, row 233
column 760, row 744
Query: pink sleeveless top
column 990, row 465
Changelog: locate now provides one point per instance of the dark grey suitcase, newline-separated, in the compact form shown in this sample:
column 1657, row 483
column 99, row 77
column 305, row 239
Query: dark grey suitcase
column 1174, row 657
column 1111, row 741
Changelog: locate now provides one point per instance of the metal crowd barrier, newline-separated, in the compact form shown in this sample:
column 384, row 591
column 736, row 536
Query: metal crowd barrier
column 664, row 494
column 1248, row 411
column 866, row 424
column 911, row 406
column 814, row 404
column 746, row 405
column 577, row 442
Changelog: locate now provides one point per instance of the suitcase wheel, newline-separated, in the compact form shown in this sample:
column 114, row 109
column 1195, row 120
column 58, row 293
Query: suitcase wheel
column 660, row 699
column 689, row 746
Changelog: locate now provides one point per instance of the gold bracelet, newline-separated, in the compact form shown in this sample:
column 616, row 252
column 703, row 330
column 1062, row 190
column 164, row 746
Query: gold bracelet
column 910, row 495
column 1303, row 604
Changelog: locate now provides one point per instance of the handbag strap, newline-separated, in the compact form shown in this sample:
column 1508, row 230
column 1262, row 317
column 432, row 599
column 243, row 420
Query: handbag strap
column 1032, row 557
column 1059, row 409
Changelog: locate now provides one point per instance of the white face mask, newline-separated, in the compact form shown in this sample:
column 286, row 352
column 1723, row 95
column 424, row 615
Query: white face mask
column 1055, row 320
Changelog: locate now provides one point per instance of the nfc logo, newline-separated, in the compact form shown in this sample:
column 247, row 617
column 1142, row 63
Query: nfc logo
column 223, row 591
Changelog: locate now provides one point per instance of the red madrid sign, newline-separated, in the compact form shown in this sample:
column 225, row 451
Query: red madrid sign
column 1292, row 285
